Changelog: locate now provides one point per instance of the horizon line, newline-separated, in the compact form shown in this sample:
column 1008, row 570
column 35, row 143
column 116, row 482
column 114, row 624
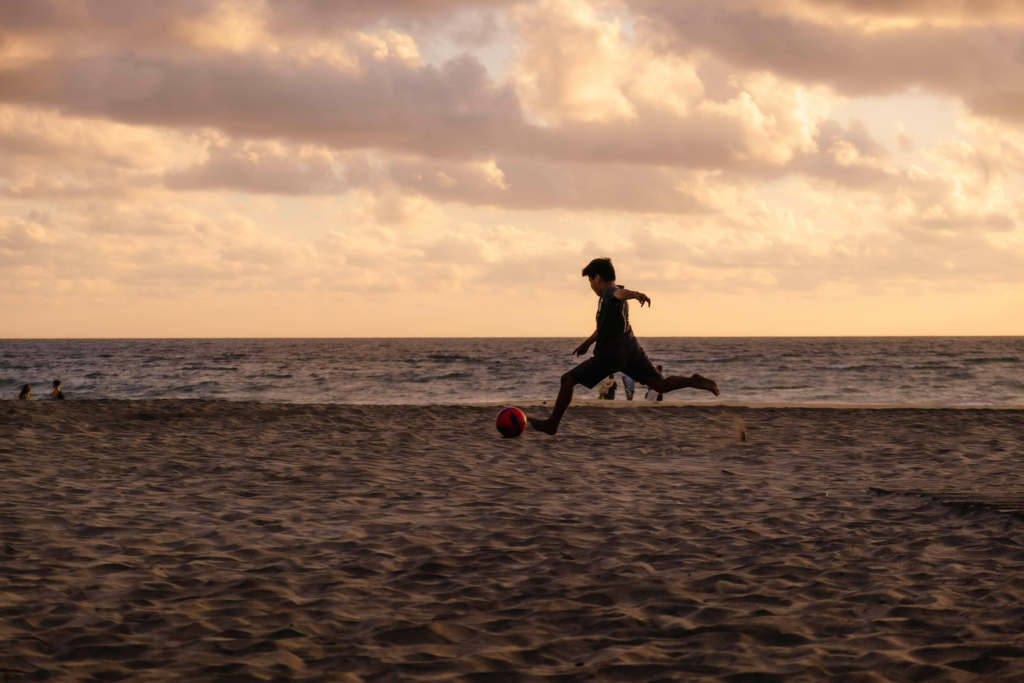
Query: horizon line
column 752, row 336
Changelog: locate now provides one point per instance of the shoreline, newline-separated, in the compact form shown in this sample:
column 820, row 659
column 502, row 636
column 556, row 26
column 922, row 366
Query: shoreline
column 491, row 370
column 547, row 403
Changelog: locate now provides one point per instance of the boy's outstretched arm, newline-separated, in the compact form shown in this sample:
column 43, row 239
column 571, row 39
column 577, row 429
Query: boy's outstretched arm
column 624, row 294
column 582, row 348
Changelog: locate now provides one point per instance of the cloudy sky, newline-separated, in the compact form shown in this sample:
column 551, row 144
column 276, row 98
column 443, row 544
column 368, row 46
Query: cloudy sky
column 178, row 168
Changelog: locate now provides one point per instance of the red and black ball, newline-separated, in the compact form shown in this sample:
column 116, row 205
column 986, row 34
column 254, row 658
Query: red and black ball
column 511, row 422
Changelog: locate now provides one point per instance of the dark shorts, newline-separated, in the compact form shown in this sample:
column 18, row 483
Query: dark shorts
column 634, row 362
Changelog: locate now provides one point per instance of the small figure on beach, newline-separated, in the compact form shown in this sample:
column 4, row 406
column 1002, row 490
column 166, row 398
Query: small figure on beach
column 607, row 389
column 57, row 394
column 628, row 386
column 26, row 393
column 653, row 395
column 617, row 349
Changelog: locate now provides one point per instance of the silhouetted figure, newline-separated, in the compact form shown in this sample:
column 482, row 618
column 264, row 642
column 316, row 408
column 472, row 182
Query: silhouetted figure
column 57, row 394
column 26, row 393
column 617, row 349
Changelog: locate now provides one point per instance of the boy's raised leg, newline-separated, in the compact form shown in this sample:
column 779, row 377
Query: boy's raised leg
column 663, row 386
column 550, row 425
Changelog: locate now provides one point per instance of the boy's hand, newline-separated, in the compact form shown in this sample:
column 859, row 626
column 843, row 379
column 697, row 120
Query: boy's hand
column 581, row 349
column 642, row 298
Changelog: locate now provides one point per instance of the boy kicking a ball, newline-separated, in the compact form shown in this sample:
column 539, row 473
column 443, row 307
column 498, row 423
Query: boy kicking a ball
column 617, row 349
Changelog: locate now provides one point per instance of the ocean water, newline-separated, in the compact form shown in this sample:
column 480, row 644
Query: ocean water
column 893, row 370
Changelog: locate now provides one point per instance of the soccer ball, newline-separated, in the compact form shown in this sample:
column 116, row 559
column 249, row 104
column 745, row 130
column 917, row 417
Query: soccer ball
column 511, row 422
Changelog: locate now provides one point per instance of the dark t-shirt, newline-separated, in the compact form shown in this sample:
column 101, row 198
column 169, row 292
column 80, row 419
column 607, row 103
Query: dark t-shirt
column 614, row 335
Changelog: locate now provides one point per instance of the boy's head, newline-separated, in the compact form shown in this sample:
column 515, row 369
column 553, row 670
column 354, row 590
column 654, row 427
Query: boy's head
column 600, row 272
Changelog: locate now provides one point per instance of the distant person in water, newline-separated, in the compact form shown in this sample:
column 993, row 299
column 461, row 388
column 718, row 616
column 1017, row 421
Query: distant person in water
column 653, row 395
column 617, row 349
column 628, row 386
column 57, row 394
column 26, row 393
column 607, row 390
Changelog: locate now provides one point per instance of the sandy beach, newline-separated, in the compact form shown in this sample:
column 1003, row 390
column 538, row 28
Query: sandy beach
column 217, row 541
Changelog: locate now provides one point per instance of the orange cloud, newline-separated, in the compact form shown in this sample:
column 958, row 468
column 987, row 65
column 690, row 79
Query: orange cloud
column 218, row 149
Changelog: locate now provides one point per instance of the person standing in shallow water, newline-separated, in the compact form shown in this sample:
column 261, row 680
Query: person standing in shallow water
column 617, row 349
column 26, row 393
column 607, row 389
column 57, row 394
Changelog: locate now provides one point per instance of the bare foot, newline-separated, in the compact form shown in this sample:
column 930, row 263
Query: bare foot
column 543, row 425
column 706, row 384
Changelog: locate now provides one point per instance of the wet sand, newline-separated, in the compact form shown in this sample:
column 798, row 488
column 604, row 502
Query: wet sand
column 210, row 541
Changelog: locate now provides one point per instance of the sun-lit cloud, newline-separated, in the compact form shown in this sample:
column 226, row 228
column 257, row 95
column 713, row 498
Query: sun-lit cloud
column 880, row 15
column 262, row 167
column 978, row 62
column 571, row 65
column 192, row 153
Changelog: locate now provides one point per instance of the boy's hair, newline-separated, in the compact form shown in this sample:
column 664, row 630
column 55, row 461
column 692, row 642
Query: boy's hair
column 600, row 266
